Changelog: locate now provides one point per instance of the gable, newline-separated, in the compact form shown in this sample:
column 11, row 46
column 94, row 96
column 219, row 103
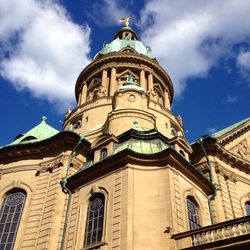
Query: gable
column 239, row 146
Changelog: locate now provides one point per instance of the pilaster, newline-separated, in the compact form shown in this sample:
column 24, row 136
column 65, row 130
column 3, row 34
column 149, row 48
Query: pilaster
column 112, row 85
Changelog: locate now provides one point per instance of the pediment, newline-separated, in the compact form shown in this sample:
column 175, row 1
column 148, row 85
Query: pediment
column 237, row 141
column 241, row 149
column 128, row 49
column 227, row 135
column 124, row 74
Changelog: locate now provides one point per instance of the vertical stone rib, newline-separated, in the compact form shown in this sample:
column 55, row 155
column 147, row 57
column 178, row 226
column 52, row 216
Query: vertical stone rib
column 73, row 223
column 116, row 215
column 35, row 215
column 235, row 203
column 178, row 202
column 47, row 230
column 225, row 198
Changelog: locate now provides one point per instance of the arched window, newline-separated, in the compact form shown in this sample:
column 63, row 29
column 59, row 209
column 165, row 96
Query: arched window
column 193, row 216
column 94, row 223
column 247, row 207
column 182, row 153
column 10, row 215
column 103, row 153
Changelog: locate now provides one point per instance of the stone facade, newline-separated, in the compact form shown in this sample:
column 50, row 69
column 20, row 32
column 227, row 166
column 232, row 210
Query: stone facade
column 123, row 143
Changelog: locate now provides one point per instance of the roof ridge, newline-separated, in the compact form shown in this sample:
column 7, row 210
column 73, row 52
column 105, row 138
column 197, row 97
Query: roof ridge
column 229, row 128
column 40, row 132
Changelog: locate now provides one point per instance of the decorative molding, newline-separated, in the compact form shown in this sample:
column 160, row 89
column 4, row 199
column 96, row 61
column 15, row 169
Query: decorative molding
column 50, row 165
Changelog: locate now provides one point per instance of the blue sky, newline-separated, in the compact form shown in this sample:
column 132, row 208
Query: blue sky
column 203, row 45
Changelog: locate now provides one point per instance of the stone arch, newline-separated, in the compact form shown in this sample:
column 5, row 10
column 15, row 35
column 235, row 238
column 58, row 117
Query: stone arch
column 191, row 192
column 16, row 184
column 20, row 185
column 83, row 209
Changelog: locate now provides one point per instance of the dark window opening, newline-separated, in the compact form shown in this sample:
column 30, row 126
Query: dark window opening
column 95, row 218
column 247, row 207
column 182, row 153
column 10, row 215
column 193, row 216
column 103, row 153
column 28, row 138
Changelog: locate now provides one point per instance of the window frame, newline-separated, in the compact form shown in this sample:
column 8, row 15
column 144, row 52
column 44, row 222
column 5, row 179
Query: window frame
column 103, row 154
column 247, row 208
column 11, row 212
column 194, row 219
column 98, row 241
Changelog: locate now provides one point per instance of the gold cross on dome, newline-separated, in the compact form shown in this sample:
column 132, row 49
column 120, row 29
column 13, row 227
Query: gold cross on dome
column 126, row 20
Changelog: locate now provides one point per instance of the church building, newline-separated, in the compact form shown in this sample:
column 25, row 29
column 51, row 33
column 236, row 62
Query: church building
column 121, row 174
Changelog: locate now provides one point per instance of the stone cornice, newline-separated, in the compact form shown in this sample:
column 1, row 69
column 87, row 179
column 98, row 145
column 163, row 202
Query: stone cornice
column 62, row 140
column 234, row 133
column 127, row 156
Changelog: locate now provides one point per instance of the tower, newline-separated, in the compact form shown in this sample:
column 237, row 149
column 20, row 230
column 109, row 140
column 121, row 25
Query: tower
column 121, row 174
column 138, row 162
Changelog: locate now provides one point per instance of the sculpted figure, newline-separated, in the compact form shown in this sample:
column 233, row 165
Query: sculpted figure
column 68, row 112
column 242, row 150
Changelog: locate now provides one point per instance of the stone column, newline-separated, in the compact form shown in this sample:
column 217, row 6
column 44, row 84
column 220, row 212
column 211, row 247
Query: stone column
column 104, row 79
column 166, row 100
column 143, row 80
column 112, row 85
column 84, row 93
column 150, row 82
column 80, row 97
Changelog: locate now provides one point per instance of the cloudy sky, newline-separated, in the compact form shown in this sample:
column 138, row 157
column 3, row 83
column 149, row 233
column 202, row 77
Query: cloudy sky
column 203, row 45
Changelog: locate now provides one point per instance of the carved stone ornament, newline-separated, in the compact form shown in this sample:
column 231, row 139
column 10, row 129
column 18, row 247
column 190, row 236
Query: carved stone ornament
column 132, row 98
column 242, row 150
column 50, row 166
column 77, row 164
column 232, row 177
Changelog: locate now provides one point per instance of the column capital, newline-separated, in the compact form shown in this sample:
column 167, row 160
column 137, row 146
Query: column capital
column 104, row 67
column 142, row 67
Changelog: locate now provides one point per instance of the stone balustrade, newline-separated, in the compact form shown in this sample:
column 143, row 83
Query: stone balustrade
column 228, row 230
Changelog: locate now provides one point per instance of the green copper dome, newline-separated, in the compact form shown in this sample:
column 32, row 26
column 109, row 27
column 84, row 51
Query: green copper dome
column 141, row 146
column 41, row 132
column 125, row 37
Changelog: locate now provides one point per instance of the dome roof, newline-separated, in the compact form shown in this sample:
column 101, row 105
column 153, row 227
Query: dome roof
column 41, row 132
column 125, row 37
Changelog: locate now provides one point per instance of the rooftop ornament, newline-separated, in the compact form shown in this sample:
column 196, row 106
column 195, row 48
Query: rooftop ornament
column 44, row 118
column 126, row 20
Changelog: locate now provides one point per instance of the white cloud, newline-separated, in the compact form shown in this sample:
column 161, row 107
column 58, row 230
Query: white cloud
column 43, row 50
column 107, row 12
column 231, row 99
column 244, row 60
column 189, row 37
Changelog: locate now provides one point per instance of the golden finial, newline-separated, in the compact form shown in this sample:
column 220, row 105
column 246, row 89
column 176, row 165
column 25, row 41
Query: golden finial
column 126, row 20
